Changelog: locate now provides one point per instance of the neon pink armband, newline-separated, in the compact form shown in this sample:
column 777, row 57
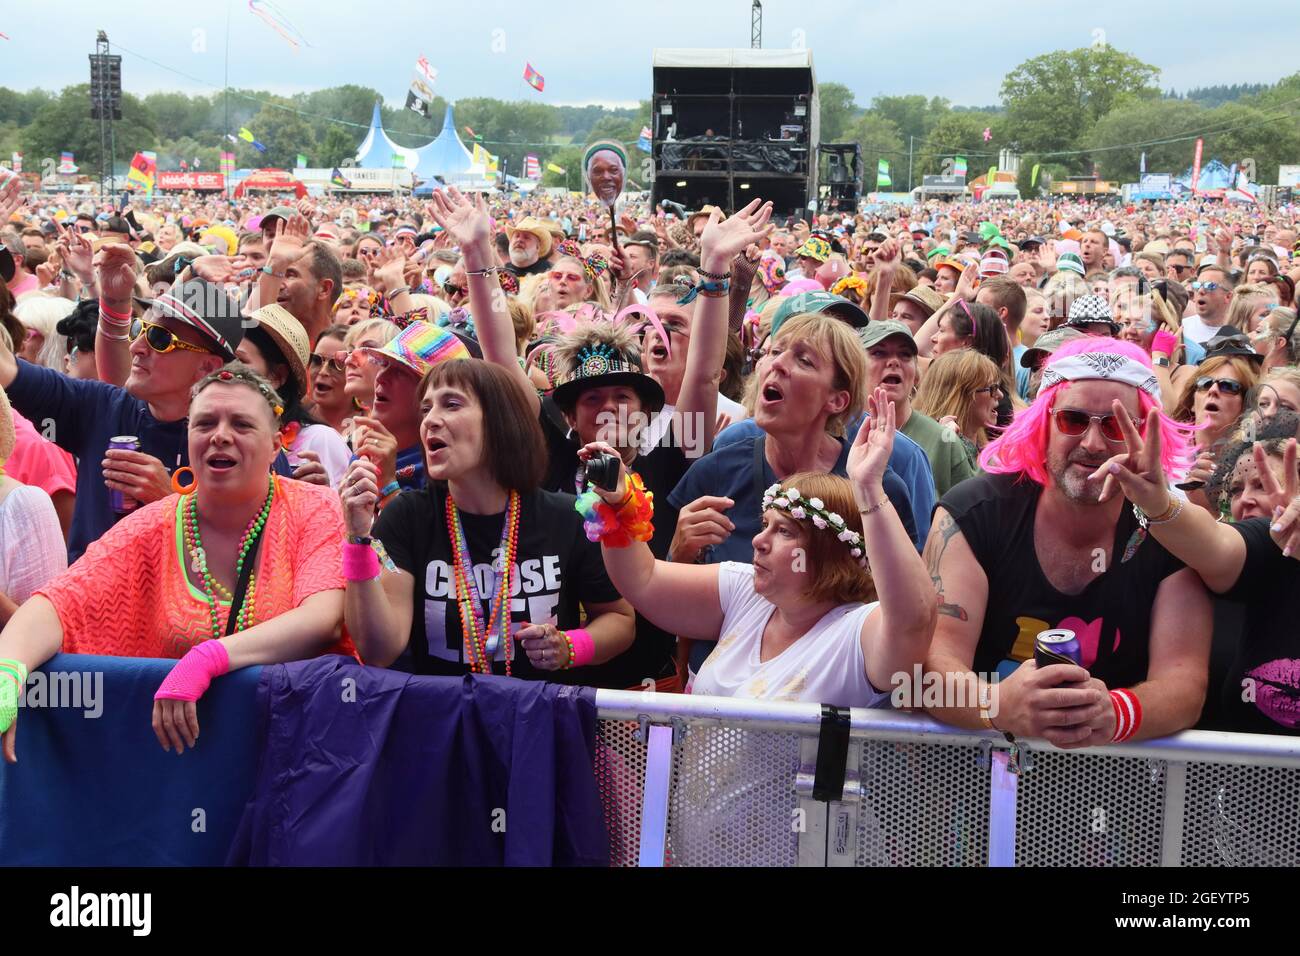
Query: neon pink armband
column 360, row 563
column 584, row 648
column 190, row 678
column 1165, row 342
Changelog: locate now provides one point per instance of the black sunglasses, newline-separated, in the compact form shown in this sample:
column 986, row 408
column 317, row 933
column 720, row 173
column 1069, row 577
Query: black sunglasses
column 1226, row 385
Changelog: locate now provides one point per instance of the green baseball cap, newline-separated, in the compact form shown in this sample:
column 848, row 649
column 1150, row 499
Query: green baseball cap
column 835, row 305
column 879, row 331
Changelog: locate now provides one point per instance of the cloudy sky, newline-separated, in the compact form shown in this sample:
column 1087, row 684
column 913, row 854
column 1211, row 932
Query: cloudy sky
column 601, row 52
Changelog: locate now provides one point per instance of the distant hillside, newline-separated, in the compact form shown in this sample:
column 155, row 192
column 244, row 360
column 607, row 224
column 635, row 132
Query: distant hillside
column 1212, row 96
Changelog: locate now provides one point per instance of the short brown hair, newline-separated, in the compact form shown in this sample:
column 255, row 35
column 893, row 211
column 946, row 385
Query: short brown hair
column 835, row 574
column 325, row 265
column 1010, row 295
column 514, row 448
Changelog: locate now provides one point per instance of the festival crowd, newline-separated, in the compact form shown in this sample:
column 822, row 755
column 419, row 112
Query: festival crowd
column 734, row 455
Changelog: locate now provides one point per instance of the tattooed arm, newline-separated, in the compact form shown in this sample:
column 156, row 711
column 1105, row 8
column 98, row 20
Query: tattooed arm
column 1059, row 703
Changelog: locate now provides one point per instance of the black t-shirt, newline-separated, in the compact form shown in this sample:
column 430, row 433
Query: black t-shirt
column 651, row 655
column 557, row 569
column 541, row 265
column 1262, row 691
column 1111, row 617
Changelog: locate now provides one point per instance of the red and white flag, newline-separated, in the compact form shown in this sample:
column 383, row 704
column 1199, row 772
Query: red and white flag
column 533, row 78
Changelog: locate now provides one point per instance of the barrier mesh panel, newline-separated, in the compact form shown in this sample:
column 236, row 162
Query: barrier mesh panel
column 1086, row 810
column 620, row 775
column 922, row 805
column 1241, row 816
column 733, row 798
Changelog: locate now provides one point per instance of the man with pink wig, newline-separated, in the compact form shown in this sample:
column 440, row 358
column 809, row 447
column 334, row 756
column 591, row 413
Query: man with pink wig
column 1029, row 546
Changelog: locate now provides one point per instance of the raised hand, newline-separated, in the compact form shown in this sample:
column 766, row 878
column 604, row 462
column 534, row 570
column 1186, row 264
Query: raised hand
column 466, row 220
column 1137, row 472
column 970, row 277
column 869, row 456
column 115, row 269
column 723, row 239
column 359, row 492
column 388, row 268
column 888, row 256
column 1285, row 499
column 78, row 254
column 11, row 196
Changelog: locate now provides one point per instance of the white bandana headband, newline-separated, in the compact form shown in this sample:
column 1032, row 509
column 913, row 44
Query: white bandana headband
column 1103, row 366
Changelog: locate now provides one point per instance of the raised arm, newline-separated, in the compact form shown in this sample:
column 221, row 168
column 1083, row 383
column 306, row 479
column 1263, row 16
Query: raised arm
column 706, row 351
column 899, row 636
column 114, row 270
column 680, row 598
column 469, row 225
column 887, row 259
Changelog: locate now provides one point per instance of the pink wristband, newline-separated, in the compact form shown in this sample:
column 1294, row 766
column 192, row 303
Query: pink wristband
column 122, row 318
column 584, row 648
column 1164, row 341
column 194, row 672
column 360, row 563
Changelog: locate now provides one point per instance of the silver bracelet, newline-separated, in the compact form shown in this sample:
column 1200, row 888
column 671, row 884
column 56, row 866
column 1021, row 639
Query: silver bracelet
column 398, row 291
column 490, row 270
column 874, row 508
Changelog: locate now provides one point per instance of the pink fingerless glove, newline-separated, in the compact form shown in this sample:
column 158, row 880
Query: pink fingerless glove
column 190, row 678
column 1164, row 342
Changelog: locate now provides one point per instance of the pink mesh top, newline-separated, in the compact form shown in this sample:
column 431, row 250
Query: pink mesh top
column 129, row 596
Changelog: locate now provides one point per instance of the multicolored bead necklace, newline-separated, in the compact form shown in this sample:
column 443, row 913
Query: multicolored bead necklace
column 481, row 642
column 213, row 588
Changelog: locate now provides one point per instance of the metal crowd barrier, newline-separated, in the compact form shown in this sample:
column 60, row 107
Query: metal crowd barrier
column 701, row 781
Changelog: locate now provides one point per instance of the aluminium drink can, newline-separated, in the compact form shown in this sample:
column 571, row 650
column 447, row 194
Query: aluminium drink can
column 1057, row 646
column 120, row 502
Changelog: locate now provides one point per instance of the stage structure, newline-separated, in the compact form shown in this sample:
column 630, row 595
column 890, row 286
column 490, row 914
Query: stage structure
column 840, row 174
column 729, row 125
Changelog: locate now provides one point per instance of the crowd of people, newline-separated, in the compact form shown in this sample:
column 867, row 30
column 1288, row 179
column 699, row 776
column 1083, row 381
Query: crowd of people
column 740, row 455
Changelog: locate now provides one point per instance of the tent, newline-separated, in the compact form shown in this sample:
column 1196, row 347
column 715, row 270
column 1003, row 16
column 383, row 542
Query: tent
column 446, row 161
column 377, row 151
column 270, row 180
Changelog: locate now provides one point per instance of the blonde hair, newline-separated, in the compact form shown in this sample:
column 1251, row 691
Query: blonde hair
column 834, row 340
column 1288, row 374
column 41, row 313
column 1278, row 322
column 599, row 288
column 387, row 331
column 436, row 306
column 948, row 388
column 1239, row 307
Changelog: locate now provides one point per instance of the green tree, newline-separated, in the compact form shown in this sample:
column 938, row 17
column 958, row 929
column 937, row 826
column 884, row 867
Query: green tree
column 337, row 146
column 1054, row 99
column 837, row 111
column 285, row 134
column 912, row 115
column 569, row 158
column 177, row 114
column 879, row 139
column 960, row 134
column 1142, row 121
column 65, row 123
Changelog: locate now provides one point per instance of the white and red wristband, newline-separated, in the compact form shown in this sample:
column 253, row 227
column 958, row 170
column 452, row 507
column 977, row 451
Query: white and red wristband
column 1128, row 714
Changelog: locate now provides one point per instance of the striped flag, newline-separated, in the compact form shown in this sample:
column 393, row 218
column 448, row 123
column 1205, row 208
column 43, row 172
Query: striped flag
column 643, row 143
column 959, row 166
column 227, row 163
column 532, row 167
column 302, row 161
column 533, row 78
column 143, row 171
column 338, row 179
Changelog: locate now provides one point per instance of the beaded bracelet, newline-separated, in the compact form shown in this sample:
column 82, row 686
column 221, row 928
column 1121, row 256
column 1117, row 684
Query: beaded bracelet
column 568, row 643
column 618, row 528
column 719, row 277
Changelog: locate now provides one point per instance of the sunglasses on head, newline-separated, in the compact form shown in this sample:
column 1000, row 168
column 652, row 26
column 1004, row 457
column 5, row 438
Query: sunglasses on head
column 163, row 340
column 1072, row 422
column 337, row 361
column 1205, row 286
column 1226, row 385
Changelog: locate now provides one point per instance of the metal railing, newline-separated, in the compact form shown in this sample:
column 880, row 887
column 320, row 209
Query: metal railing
column 718, row 781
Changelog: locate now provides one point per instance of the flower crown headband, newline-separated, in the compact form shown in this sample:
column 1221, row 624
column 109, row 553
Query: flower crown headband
column 244, row 376
column 800, row 508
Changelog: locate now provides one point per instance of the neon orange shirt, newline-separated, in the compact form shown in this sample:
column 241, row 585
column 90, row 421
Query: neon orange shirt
column 128, row 595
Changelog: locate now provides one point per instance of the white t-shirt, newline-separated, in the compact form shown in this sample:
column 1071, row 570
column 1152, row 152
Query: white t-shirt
column 825, row 666
column 1196, row 330
column 329, row 444
column 32, row 551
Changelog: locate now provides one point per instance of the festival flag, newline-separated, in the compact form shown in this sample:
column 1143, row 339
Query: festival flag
column 143, row 171
column 532, row 167
column 991, row 178
column 533, row 78
column 184, row 166
column 959, row 166
column 246, row 135
column 302, row 161
column 420, row 94
column 988, row 134
column 227, row 165
column 473, row 135
column 1033, row 176
column 643, row 143
column 557, row 169
column 1142, row 162
column 66, row 165
column 1196, row 165
column 882, row 174
column 338, row 179
column 18, row 162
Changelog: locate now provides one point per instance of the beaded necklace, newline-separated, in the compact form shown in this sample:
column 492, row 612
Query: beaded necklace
column 481, row 642
column 212, row 588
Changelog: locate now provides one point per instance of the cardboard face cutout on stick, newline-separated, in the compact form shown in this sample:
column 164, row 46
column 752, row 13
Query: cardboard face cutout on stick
column 605, row 165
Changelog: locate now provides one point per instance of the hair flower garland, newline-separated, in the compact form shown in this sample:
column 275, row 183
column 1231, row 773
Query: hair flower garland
column 799, row 508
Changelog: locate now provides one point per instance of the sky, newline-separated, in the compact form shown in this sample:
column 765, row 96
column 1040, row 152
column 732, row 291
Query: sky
column 601, row 53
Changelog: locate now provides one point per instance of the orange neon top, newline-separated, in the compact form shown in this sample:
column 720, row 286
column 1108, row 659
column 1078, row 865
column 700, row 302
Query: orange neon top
column 129, row 595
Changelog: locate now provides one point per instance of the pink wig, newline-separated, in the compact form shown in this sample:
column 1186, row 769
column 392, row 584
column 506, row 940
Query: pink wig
column 1022, row 448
